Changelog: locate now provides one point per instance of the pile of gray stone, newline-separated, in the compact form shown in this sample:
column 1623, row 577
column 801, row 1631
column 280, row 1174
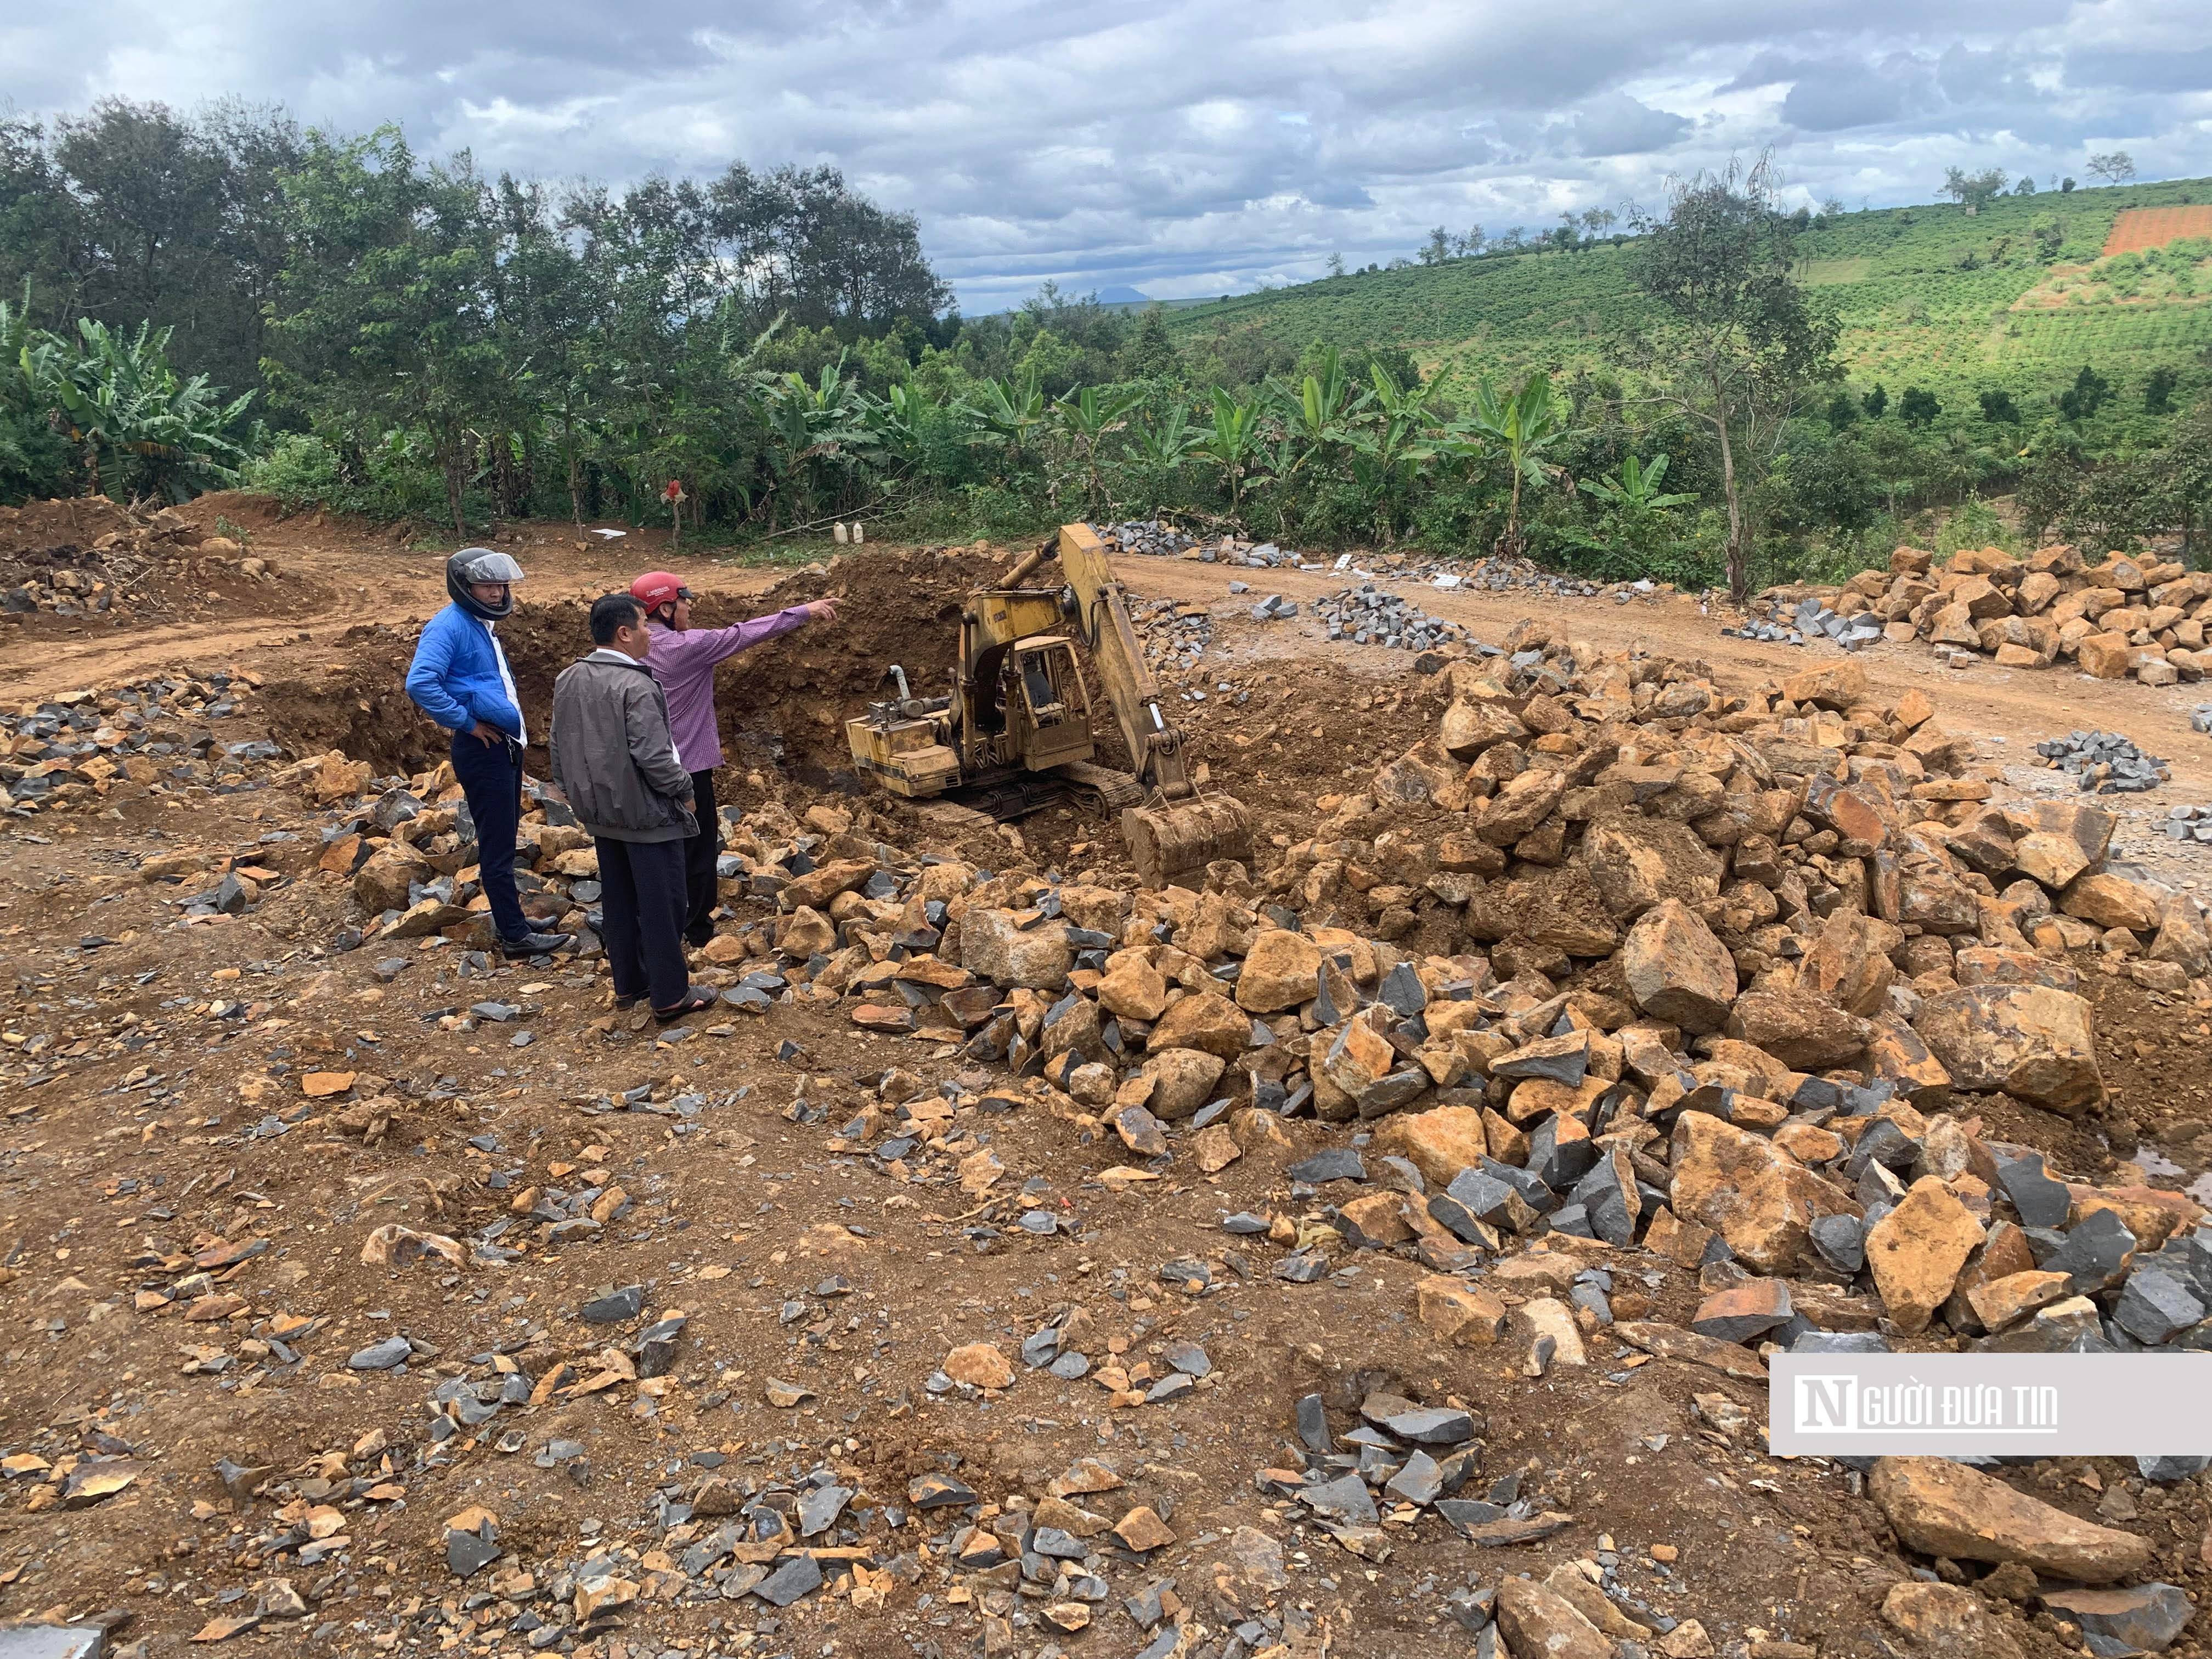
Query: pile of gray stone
column 2104, row 761
column 2188, row 823
column 1175, row 634
column 1368, row 615
column 1810, row 620
column 1274, row 608
column 1157, row 539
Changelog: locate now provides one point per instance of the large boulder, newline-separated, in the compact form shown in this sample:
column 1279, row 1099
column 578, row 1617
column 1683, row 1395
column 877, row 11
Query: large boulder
column 1468, row 728
column 1558, row 909
column 1947, row 1619
column 1439, row 1143
column 1280, row 971
column 380, row 884
column 1849, row 963
column 1634, row 863
column 994, row 945
column 1677, row 968
column 1183, row 1081
column 1540, row 1622
column 2032, row 1041
column 2182, row 939
column 2111, row 901
column 1204, row 1021
column 1525, row 802
column 1916, row 1250
column 1832, row 685
column 1946, row 1508
column 1743, row 1186
column 1799, row 1028
column 1132, row 989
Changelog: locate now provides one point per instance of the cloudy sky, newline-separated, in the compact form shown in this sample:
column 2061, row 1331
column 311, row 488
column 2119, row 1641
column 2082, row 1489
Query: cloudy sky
column 1180, row 147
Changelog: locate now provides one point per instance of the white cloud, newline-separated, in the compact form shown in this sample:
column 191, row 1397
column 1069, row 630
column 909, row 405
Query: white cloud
column 1180, row 146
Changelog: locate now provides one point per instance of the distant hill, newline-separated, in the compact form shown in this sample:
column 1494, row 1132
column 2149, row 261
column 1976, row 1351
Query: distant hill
column 2018, row 296
column 1119, row 295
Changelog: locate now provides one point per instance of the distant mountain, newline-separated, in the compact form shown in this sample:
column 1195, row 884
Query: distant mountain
column 1120, row 296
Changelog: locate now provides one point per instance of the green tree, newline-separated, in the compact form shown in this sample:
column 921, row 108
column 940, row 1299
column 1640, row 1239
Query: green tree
column 1233, row 444
column 2114, row 166
column 1387, row 452
column 2089, row 393
column 1973, row 189
column 1083, row 422
column 2158, row 391
column 1998, row 405
column 1738, row 351
column 1635, row 513
column 144, row 430
column 1524, row 427
column 34, row 457
column 385, row 319
column 1876, row 401
column 1009, row 411
column 1152, row 355
column 1918, row 406
column 1842, row 411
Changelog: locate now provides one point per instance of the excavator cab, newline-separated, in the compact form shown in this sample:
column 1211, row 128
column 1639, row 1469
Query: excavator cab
column 1054, row 702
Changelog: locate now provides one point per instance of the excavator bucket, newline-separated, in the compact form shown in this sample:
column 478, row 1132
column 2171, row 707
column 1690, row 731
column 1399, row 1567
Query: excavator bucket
column 1170, row 842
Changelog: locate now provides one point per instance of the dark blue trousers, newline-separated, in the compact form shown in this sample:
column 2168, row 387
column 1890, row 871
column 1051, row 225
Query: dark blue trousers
column 643, row 902
column 490, row 777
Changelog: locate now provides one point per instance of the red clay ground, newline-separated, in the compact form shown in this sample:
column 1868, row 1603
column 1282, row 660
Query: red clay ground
column 184, row 1045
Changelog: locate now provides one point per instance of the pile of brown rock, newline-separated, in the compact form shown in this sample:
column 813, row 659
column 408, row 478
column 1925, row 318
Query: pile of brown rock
column 1614, row 957
column 2119, row 619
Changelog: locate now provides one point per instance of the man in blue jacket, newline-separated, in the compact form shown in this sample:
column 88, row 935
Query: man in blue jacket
column 459, row 679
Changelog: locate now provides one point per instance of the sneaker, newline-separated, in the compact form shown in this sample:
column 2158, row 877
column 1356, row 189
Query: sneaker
column 536, row 945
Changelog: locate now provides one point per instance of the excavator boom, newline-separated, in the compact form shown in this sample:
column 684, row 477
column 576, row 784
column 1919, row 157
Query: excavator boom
column 1176, row 831
column 1103, row 609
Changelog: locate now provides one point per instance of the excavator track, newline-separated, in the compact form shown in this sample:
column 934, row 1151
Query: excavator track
column 1101, row 788
column 1097, row 789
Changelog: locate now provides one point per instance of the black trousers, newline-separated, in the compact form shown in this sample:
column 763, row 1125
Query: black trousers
column 490, row 777
column 701, row 852
column 642, row 903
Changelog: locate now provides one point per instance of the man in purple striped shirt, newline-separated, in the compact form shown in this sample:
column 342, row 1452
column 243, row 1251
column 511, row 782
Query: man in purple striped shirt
column 684, row 659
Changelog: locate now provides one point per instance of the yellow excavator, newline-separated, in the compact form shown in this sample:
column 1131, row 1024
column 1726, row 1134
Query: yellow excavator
column 1018, row 732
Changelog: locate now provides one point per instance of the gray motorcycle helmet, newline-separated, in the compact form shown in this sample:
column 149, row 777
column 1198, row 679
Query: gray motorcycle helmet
column 481, row 564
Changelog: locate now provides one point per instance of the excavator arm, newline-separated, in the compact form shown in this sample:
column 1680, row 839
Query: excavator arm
column 1101, row 606
column 1176, row 831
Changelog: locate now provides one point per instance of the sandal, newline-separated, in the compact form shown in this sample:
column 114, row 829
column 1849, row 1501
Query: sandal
column 692, row 1004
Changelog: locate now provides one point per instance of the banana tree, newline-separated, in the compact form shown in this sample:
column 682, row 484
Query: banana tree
column 1160, row 451
column 33, row 460
column 122, row 400
column 1233, row 446
column 1319, row 417
column 1633, row 529
column 1525, row 425
column 814, row 432
column 1010, row 411
column 1636, row 487
column 1083, row 421
column 1387, row 452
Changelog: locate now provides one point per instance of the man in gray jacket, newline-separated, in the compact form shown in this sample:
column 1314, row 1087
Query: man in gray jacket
column 614, row 759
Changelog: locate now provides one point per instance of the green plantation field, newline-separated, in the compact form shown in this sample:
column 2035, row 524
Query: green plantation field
column 2017, row 296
